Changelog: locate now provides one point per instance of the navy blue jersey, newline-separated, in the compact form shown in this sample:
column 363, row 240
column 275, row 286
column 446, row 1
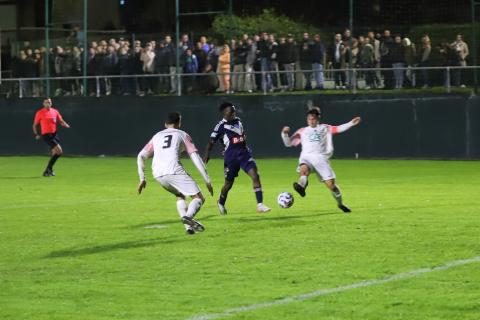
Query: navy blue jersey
column 231, row 134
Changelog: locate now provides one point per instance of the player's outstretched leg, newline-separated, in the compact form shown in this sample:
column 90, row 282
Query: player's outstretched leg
column 257, row 188
column 223, row 197
column 302, row 183
column 337, row 195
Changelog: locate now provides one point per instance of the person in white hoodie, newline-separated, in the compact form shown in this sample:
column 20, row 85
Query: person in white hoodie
column 166, row 147
column 317, row 148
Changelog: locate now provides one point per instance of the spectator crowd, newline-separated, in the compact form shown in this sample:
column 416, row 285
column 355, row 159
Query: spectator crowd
column 260, row 62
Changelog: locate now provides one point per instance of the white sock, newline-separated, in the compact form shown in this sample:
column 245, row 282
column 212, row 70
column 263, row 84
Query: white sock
column 303, row 181
column 337, row 195
column 182, row 210
column 194, row 207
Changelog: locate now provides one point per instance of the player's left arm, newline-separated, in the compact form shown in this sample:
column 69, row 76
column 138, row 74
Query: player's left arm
column 143, row 155
column 62, row 122
column 344, row 127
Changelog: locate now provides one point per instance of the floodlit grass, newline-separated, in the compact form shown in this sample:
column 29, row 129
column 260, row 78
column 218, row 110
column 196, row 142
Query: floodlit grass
column 84, row 245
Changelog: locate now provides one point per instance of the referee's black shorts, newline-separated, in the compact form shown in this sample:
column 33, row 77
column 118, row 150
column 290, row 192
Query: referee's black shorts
column 51, row 139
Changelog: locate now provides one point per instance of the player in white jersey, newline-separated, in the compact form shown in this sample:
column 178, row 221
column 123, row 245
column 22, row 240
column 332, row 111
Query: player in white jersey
column 166, row 147
column 317, row 148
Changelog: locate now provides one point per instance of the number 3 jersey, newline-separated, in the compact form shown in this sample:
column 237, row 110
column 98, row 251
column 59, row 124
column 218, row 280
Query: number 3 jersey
column 167, row 146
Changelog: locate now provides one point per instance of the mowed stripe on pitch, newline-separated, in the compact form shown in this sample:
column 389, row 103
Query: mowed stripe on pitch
column 324, row 292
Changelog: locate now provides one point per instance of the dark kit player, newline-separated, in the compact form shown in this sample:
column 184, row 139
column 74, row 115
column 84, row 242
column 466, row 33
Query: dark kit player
column 47, row 118
column 236, row 155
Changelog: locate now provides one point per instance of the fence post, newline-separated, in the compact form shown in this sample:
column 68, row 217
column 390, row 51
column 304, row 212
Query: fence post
column 97, row 81
column 354, row 81
column 20, row 90
column 179, row 83
column 447, row 80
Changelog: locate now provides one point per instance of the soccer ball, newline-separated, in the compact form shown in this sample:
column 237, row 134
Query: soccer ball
column 285, row 200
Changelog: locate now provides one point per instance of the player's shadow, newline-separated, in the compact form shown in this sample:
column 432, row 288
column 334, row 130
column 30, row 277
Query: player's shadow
column 21, row 178
column 167, row 222
column 268, row 217
column 74, row 252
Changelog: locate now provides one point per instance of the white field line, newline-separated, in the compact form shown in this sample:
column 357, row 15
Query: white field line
column 328, row 291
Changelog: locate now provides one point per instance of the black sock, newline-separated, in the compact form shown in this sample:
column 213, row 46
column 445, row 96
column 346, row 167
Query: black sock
column 52, row 161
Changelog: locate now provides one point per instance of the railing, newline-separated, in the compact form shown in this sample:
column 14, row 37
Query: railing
column 263, row 82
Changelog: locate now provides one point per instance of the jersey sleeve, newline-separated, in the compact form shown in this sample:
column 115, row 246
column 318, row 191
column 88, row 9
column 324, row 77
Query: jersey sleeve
column 145, row 153
column 58, row 116
column 189, row 145
column 341, row 128
column 148, row 149
column 217, row 132
column 38, row 118
column 296, row 138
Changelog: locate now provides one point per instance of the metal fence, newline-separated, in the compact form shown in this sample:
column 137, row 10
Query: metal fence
column 351, row 80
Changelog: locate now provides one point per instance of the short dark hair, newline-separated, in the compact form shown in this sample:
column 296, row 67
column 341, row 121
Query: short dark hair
column 173, row 117
column 225, row 105
column 314, row 111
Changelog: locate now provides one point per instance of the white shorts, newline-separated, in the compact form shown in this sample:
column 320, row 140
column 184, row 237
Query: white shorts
column 179, row 184
column 318, row 163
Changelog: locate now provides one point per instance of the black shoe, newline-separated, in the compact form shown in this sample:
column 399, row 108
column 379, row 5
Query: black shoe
column 344, row 208
column 198, row 227
column 299, row 189
column 190, row 231
column 48, row 173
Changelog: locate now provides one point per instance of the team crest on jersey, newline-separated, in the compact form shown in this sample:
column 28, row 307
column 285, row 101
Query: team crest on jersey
column 317, row 135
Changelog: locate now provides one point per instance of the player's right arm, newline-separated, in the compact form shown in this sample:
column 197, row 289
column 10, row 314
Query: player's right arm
column 143, row 155
column 294, row 140
column 36, row 121
column 214, row 136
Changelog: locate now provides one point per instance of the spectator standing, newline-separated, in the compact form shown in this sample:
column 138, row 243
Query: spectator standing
column 239, row 60
column 148, row 67
column 224, row 67
column 318, row 54
column 170, row 60
column 287, row 56
column 305, row 58
column 423, row 59
column 273, row 61
column 251, row 58
column 397, row 56
column 366, row 60
column 190, row 66
column 461, row 49
column 386, row 59
column 410, row 61
column 338, row 61
column 376, row 55
column 264, row 54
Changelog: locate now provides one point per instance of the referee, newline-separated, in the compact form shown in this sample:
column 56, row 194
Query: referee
column 47, row 118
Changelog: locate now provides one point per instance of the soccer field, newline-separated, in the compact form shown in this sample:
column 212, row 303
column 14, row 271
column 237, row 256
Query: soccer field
column 85, row 245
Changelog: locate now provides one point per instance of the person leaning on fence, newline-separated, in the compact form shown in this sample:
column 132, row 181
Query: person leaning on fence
column 397, row 56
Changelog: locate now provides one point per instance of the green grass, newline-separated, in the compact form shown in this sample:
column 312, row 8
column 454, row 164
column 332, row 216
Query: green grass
column 76, row 246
